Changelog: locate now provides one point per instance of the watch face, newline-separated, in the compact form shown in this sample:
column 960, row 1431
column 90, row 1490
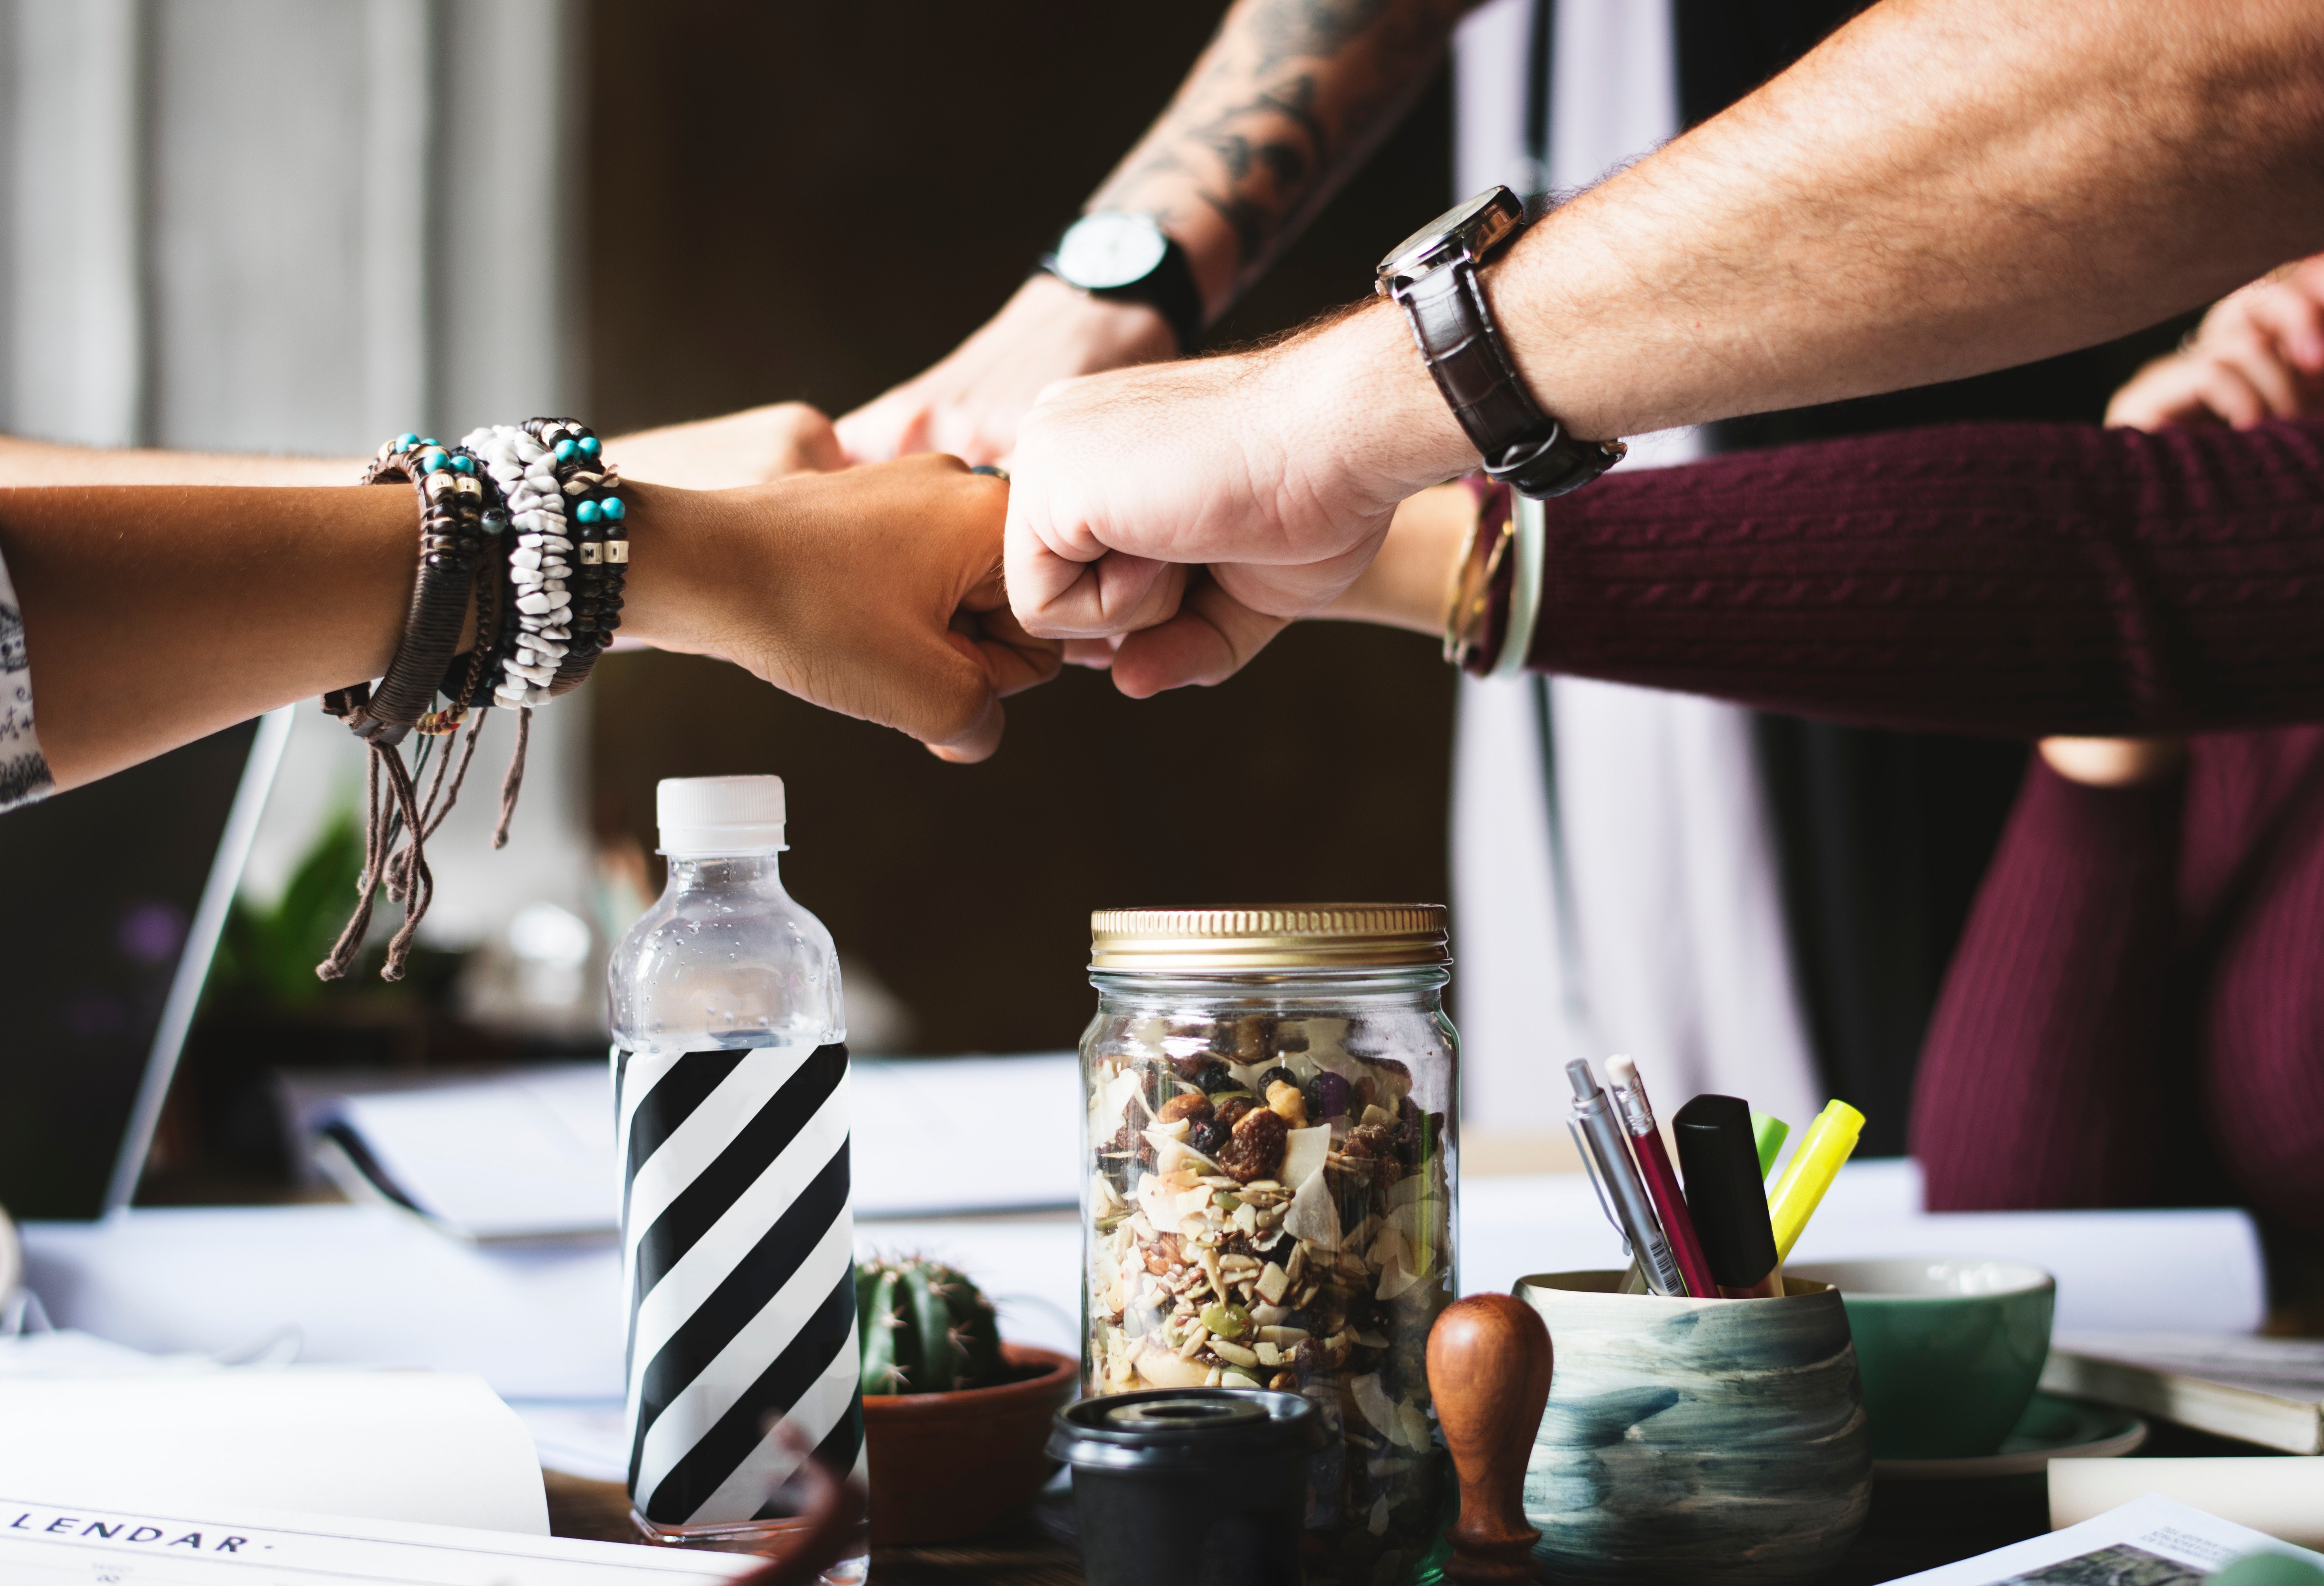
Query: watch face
column 1110, row 249
column 1474, row 229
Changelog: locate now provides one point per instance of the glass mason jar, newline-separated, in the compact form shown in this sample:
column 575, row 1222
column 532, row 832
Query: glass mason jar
column 1272, row 1135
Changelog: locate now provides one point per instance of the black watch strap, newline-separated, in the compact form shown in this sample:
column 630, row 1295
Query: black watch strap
column 1168, row 289
column 1522, row 447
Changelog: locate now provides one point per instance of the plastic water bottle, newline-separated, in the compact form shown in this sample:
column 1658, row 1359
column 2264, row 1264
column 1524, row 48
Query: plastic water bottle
column 730, row 1087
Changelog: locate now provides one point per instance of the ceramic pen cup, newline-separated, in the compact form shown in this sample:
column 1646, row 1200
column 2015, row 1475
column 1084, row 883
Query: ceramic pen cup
column 1950, row 1348
column 1718, row 1442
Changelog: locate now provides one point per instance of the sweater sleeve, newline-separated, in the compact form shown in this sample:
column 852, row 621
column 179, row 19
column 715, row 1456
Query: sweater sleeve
column 23, row 770
column 1999, row 578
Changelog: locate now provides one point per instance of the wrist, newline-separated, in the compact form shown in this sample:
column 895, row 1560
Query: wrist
column 1410, row 582
column 672, row 534
column 1104, row 334
column 1381, row 419
column 1213, row 252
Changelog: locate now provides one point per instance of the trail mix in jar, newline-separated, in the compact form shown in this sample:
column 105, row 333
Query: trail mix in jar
column 1269, row 1208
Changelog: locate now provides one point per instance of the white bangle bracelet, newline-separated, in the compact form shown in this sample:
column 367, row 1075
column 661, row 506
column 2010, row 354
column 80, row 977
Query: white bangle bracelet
column 539, row 565
column 1529, row 546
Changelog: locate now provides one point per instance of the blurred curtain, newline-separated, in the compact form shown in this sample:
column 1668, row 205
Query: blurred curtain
column 282, row 226
column 1615, row 875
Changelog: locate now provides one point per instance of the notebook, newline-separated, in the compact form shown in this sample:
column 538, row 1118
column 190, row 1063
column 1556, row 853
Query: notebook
column 2264, row 1390
column 428, row 1447
column 2152, row 1540
column 46, row 1542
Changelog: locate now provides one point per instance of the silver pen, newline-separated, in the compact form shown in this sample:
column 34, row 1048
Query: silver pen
column 1618, row 1175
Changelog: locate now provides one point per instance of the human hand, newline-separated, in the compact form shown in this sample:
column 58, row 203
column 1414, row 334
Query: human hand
column 970, row 403
column 1279, row 469
column 2258, row 354
column 750, row 448
column 875, row 593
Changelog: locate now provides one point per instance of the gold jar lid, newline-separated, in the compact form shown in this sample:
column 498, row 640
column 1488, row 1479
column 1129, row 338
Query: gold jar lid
column 1299, row 936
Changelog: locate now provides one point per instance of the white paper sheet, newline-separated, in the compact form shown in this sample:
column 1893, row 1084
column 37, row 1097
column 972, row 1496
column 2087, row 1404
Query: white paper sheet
column 357, row 1285
column 47, row 1543
column 2117, row 1271
column 530, row 1154
column 526, row 1153
column 371, row 1285
column 2282, row 1496
column 394, row 1445
column 918, row 1152
column 2141, row 1533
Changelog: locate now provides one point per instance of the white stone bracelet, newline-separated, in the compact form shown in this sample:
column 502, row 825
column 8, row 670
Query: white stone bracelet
column 538, row 559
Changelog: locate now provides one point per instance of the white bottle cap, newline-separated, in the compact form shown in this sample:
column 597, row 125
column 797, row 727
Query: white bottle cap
column 720, row 815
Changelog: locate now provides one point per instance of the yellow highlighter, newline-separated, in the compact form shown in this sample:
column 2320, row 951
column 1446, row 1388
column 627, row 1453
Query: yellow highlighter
column 1814, row 1163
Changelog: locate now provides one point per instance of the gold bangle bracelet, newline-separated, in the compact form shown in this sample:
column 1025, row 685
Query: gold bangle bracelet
column 1456, row 577
column 1472, row 598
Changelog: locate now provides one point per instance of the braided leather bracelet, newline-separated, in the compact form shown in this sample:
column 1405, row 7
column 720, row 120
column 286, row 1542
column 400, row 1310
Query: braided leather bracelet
column 451, row 537
column 452, row 501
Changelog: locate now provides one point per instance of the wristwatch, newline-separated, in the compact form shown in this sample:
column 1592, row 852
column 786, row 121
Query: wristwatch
column 1127, row 258
column 1434, row 275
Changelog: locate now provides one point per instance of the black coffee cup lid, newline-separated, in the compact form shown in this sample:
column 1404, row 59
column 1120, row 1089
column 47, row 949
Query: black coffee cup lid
column 1163, row 1416
column 1158, row 1425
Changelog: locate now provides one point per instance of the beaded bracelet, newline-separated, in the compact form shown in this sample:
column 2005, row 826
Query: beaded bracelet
column 597, row 523
column 452, row 536
column 542, row 621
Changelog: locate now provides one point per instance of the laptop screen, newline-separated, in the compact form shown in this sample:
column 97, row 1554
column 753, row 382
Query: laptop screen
column 104, row 936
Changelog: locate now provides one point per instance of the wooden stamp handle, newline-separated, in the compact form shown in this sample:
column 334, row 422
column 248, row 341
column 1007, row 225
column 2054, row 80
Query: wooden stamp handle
column 1488, row 1368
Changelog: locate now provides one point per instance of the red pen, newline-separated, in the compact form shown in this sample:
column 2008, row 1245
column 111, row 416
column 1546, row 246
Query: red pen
column 1661, row 1180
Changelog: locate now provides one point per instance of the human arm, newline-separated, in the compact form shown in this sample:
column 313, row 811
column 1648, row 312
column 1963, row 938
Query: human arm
column 2257, row 353
column 2055, row 1066
column 1287, row 101
column 154, row 615
column 2013, row 579
column 748, row 447
column 31, row 464
column 1943, row 187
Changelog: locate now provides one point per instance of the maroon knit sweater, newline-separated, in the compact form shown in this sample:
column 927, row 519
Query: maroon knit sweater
column 1997, row 578
column 2135, row 1013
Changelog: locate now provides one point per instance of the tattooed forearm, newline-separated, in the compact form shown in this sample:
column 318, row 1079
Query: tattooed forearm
column 1282, row 107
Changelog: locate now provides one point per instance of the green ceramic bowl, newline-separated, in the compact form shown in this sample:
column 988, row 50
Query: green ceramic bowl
column 1950, row 1348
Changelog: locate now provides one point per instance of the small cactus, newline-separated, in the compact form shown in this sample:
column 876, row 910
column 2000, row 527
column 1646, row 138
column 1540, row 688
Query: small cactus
column 924, row 1328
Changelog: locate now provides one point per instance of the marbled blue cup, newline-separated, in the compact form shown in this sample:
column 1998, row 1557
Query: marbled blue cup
column 1707, row 1442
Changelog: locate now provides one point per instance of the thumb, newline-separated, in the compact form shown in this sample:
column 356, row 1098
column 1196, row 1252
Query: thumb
column 956, row 711
column 1213, row 637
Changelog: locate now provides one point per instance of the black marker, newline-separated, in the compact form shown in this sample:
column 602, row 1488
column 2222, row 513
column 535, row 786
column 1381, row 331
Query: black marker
column 1726, row 1196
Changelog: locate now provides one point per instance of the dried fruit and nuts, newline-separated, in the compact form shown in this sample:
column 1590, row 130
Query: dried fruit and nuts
column 1269, row 1209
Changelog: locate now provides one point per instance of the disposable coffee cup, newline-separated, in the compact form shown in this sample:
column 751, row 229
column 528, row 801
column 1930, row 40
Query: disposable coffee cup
column 1950, row 1348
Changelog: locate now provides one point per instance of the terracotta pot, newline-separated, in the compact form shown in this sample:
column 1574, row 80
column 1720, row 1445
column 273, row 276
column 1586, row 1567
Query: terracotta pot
column 946, row 1466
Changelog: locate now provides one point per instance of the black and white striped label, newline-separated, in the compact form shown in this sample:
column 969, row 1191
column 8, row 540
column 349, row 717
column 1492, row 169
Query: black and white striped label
column 738, row 1262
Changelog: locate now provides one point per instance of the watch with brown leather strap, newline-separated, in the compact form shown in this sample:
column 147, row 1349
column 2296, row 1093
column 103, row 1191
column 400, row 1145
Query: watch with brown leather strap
column 1433, row 275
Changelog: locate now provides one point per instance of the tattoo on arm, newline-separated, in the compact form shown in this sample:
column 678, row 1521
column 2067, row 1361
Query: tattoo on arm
column 1283, row 106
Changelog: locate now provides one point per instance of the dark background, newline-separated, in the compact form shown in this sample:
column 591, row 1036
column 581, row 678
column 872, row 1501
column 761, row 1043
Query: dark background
column 91, row 944
column 819, row 201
